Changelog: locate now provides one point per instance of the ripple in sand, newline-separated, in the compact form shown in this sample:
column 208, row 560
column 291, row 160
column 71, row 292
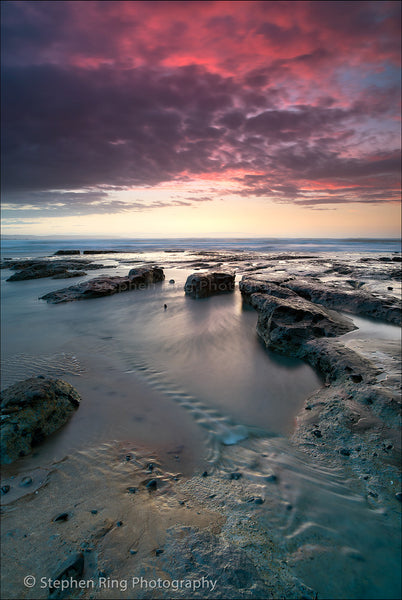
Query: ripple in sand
column 21, row 366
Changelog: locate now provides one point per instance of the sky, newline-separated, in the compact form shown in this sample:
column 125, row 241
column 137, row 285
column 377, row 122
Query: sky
column 254, row 119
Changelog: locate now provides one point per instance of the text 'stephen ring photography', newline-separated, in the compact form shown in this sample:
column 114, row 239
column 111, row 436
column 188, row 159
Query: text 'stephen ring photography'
column 201, row 300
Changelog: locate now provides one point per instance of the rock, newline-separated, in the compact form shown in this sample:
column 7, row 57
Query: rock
column 331, row 296
column 66, row 252
column 119, row 524
column 39, row 268
column 69, row 274
column 61, row 517
column 344, row 452
column 106, row 286
column 208, row 284
column 286, row 324
column 101, row 251
column 355, row 301
column 72, row 568
column 36, row 408
column 152, row 485
column 25, row 481
column 338, row 362
column 172, row 281
column 235, row 476
column 143, row 276
column 255, row 285
column 398, row 496
column 271, row 478
column 204, row 474
column 158, row 551
column 259, row 500
column 5, row 489
column 317, row 433
column 94, row 511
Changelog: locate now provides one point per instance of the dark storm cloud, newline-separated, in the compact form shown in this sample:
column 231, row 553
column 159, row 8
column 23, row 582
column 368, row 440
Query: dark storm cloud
column 72, row 128
column 69, row 128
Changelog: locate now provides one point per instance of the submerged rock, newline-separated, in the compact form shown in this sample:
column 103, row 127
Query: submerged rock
column 40, row 268
column 106, row 285
column 66, row 252
column 31, row 410
column 202, row 285
column 101, row 251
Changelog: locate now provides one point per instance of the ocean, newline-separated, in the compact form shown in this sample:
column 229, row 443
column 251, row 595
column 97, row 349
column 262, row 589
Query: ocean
column 43, row 246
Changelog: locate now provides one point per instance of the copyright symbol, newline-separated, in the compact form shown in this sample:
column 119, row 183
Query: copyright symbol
column 29, row 581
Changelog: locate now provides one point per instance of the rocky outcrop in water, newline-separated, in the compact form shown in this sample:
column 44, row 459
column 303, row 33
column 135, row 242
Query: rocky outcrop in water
column 66, row 252
column 145, row 275
column 355, row 419
column 30, row 411
column 286, row 324
column 355, row 301
column 57, row 268
column 107, row 286
column 202, row 285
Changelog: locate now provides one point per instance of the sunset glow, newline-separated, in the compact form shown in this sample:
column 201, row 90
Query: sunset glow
column 201, row 118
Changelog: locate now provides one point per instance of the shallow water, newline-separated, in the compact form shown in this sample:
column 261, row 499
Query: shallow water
column 370, row 329
column 150, row 374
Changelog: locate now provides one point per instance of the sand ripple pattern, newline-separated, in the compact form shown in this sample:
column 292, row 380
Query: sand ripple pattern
column 21, row 366
column 222, row 429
